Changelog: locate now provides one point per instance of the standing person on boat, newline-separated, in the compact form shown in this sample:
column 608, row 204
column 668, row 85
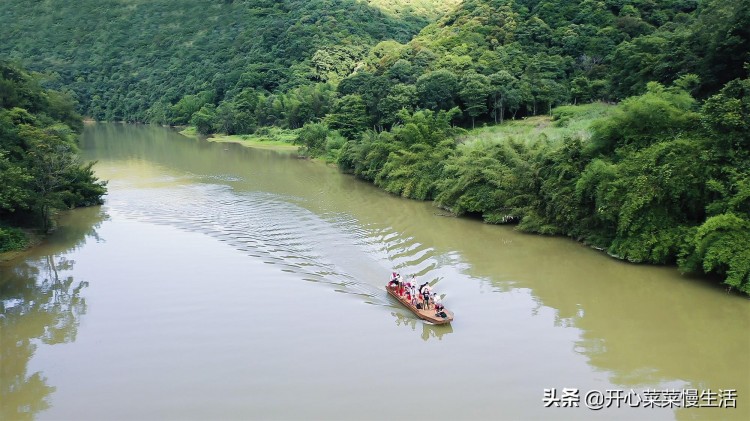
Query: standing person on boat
column 426, row 291
column 400, row 284
column 421, row 287
column 421, row 293
column 410, row 291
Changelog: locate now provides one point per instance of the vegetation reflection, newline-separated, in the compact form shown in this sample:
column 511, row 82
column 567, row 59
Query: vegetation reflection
column 40, row 303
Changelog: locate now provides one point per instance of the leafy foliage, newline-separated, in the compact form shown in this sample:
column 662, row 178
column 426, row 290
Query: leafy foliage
column 407, row 160
column 641, row 120
column 719, row 245
column 39, row 168
column 312, row 138
column 123, row 58
column 652, row 185
column 11, row 239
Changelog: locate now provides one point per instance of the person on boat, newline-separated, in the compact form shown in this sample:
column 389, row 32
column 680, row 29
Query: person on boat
column 422, row 287
column 438, row 303
column 426, row 291
column 394, row 280
column 400, row 284
column 407, row 289
column 421, row 293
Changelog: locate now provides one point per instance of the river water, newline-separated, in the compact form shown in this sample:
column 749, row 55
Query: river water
column 225, row 282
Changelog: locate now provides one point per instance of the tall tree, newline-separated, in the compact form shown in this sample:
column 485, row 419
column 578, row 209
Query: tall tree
column 502, row 92
column 437, row 89
column 474, row 91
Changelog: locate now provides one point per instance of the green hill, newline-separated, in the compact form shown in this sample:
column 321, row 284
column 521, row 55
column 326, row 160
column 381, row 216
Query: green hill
column 162, row 61
column 120, row 57
column 502, row 58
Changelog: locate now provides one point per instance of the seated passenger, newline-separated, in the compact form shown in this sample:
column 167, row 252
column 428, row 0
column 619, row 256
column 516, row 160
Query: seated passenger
column 438, row 303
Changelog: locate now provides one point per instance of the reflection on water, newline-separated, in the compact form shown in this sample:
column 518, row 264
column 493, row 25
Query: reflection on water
column 40, row 302
column 429, row 331
column 647, row 326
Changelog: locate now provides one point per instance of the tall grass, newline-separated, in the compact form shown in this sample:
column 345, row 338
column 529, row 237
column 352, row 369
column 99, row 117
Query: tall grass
column 565, row 121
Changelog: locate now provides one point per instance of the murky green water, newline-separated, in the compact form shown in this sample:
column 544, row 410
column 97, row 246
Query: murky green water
column 219, row 282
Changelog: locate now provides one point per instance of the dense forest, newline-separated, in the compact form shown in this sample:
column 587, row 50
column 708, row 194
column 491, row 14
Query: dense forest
column 156, row 60
column 39, row 169
column 391, row 91
column 249, row 64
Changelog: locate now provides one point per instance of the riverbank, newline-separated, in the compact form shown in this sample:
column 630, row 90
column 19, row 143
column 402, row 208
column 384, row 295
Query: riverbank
column 267, row 138
column 549, row 176
column 572, row 175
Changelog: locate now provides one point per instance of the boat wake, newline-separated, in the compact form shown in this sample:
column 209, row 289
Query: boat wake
column 330, row 248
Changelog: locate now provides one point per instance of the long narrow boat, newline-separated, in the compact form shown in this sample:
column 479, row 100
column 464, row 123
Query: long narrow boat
column 424, row 314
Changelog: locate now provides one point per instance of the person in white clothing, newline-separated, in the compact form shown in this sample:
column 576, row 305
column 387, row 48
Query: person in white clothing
column 438, row 302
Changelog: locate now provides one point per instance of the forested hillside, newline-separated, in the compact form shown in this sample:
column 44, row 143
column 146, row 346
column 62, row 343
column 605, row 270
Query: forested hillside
column 257, row 63
column 497, row 59
column 121, row 57
column 660, row 177
column 426, row 9
column 39, row 167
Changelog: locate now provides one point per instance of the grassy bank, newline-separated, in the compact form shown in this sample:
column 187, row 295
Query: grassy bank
column 266, row 137
column 565, row 122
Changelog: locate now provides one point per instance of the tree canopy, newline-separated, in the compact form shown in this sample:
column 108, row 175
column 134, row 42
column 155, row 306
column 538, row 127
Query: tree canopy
column 160, row 62
column 39, row 168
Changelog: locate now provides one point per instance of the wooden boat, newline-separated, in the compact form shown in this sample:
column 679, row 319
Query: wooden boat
column 424, row 314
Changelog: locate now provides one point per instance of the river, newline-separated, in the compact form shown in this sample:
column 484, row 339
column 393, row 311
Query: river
column 223, row 282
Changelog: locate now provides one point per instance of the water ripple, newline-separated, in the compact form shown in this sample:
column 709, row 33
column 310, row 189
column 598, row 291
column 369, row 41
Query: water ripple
column 331, row 248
